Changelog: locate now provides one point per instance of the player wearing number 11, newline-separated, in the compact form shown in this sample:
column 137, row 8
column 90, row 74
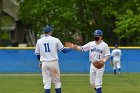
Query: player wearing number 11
column 46, row 51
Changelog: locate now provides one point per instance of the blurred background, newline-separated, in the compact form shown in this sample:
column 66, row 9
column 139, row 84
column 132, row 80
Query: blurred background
column 21, row 21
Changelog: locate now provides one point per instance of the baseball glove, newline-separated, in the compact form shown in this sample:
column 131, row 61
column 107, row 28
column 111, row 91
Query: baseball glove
column 98, row 64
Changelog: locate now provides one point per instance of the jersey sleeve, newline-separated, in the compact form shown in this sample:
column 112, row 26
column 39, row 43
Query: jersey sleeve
column 37, row 51
column 107, row 51
column 60, row 46
column 86, row 47
column 112, row 53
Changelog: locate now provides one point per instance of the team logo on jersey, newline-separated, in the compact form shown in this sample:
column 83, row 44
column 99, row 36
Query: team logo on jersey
column 96, row 50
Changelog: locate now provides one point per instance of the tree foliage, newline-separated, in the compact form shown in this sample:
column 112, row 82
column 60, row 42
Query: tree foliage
column 118, row 19
column 127, row 16
column 59, row 14
column 128, row 27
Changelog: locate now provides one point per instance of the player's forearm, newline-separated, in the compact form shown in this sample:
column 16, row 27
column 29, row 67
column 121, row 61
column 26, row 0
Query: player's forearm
column 73, row 46
column 105, row 59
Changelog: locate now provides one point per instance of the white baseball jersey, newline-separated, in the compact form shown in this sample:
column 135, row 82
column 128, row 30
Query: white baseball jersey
column 116, row 54
column 96, row 52
column 47, row 48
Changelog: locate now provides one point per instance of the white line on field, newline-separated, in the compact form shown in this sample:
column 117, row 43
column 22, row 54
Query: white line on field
column 28, row 74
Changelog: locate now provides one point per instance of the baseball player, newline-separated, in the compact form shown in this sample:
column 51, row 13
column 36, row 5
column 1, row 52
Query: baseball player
column 46, row 51
column 116, row 59
column 98, row 51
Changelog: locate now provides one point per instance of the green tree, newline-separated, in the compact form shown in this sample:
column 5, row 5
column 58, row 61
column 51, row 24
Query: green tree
column 126, row 18
column 39, row 13
column 128, row 28
column 117, row 18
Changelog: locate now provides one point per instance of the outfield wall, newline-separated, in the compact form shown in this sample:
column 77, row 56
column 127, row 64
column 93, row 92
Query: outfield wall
column 20, row 60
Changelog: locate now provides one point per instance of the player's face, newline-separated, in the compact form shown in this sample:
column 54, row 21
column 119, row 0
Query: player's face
column 97, row 38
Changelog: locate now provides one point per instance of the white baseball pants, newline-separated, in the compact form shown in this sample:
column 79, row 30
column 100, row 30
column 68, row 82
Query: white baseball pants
column 51, row 72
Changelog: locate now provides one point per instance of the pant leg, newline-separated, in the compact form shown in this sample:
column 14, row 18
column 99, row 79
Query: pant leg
column 55, row 74
column 92, row 76
column 46, row 76
column 96, row 76
column 114, row 65
column 99, row 77
column 118, row 65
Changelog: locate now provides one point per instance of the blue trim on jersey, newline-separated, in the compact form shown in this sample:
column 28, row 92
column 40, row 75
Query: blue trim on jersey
column 36, row 53
column 66, row 50
column 111, row 57
column 38, row 57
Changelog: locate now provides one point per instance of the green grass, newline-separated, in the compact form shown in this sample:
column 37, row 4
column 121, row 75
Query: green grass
column 125, row 83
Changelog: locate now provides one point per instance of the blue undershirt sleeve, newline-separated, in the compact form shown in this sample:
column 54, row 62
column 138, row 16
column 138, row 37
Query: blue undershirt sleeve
column 38, row 57
column 111, row 57
column 66, row 50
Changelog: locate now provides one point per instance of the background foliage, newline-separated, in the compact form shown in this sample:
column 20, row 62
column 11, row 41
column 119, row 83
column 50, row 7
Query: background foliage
column 119, row 19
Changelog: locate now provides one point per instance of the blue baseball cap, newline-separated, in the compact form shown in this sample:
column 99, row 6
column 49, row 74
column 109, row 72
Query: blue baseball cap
column 47, row 29
column 116, row 45
column 98, row 33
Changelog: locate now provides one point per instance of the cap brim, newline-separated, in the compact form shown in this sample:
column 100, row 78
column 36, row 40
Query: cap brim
column 95, row 34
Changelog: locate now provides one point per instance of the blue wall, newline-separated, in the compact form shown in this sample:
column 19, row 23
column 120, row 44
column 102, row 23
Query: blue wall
column 24, row 60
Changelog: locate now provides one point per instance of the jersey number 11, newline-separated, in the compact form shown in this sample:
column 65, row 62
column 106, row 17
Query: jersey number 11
column 47, row 48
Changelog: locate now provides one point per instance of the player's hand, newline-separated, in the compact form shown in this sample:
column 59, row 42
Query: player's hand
column 67, row 44
column 111, row 63
column 71, row 45
column 74, row 46
column 40, row 65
